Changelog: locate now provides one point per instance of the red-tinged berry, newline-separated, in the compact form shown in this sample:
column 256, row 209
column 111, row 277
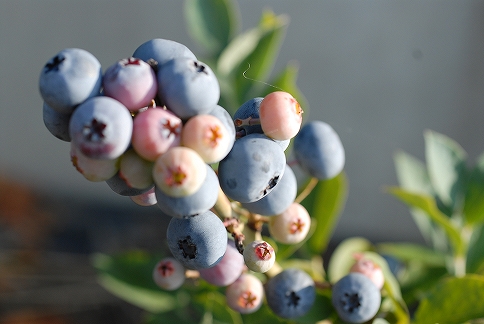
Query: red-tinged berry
column 169, row 274
column 369, row 269
column 246, row 294
column 259, row 256
column 155, row 130
column 280, row 115
column 207, row 135
column 291, row 226
column 179, row 172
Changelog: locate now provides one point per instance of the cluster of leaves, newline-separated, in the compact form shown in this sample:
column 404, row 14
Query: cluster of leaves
column 445, row 194
column 441, row 282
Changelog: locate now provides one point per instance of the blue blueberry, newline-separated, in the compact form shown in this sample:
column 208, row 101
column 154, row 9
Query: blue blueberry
column 319, row 151
column 355, row 298
column 279, row 199
column 162, row 50
column 250, row 108
column 200, row 201
column 101, row 128
column 56, row 123
column 252, row 169
column 291, row 293
column 198, row 242
column 69, row 78
column 188, row 87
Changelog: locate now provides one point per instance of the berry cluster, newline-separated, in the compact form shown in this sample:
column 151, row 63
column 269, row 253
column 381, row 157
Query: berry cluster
column 150, row 126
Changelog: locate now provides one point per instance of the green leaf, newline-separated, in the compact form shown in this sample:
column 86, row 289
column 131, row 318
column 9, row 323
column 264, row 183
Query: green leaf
column 129, row 277
column 454, row 300
column 413, row 176
column 342, row 257
column 474, row 198
column 413, row 252
column 475, row 254
column 427, row 204
column 446, row 166
column 212, row 23
column 251, row 55
column 324, row 204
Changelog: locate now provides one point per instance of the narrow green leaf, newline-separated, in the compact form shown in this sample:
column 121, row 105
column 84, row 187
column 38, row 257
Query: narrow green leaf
column 428, row 205
column 212, row 23
column 475, row 254
column 325, row 204
column 474, row 198
column 251, row 55
column 454, row 300
column 149, row 300
column 129, row 276
column 413, row 252
column 342, row 257
column 446, row 167
column 413, row 176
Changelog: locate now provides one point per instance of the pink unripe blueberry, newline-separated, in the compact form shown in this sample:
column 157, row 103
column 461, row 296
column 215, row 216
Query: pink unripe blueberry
column 207, row 135
column 179, row 172
column 155, row 130
column 246, row 294
column 227, row 270
column 93, row 169
column 169, row 274
column 132, row 82
column 136, row 171
column 280, row 115
column 291, row 226
column 369, row 269
column 259, row 256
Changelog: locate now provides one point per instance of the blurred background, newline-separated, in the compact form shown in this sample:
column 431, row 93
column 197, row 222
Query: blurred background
column 379, row 72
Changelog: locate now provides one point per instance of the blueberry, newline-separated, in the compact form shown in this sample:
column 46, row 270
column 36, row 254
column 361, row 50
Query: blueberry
column 203, row 199
column 227, row 270
column 291, row 293
column 355, row 298
column 250, row 109
column 132, row 82
column 119, row 186
column 224, row 116
column 56, row 123
column 69, row 78
column 319, row 151
column 198, row 242
column 101, row 127
column 188, row 87
column 162, row 50
column 279, row 199
column 252, row 168
column 246, row 294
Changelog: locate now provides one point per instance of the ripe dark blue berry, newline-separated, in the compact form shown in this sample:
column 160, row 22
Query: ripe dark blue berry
column 291, row 293
column 356, row 298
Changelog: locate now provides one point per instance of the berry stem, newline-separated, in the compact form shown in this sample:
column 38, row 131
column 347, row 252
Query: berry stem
column 307, row 190
column 223, row 207
column 250, row 121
